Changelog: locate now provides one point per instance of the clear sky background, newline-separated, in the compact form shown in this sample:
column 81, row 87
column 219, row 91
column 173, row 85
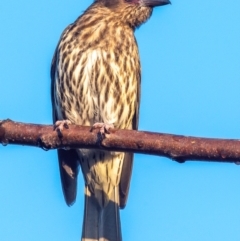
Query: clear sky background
column 190, row 54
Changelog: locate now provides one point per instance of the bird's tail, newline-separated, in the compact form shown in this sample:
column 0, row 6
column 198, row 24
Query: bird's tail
column 101, row 223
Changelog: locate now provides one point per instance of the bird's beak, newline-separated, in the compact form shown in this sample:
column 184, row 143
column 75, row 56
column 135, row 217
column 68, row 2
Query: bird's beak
column 155, row 3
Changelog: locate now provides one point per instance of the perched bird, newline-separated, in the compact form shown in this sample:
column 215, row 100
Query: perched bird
column 96, row 76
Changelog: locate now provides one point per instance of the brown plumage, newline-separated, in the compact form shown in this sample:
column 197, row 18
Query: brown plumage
column 96, row 78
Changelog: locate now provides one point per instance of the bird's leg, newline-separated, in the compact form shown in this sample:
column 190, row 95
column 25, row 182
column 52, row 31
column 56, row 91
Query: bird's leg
column 103, row 127
column 61, row 124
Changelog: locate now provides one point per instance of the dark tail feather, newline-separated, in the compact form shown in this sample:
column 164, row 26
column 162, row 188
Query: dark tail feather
column 69, row 167
column 101, row 224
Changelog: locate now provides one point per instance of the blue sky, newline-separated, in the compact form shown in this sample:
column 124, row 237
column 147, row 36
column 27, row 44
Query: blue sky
column 190, row 56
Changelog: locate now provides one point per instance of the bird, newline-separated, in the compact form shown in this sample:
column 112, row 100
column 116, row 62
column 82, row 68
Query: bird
column 95, row 81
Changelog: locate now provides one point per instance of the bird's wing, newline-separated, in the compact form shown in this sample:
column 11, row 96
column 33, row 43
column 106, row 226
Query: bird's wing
column 68, row 159
column 128, row 158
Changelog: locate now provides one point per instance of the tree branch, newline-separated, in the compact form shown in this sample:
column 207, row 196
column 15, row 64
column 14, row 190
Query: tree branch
column 177, row 147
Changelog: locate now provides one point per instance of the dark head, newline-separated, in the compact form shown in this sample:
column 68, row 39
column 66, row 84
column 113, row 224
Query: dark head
column 133, row 12
column 149, row 3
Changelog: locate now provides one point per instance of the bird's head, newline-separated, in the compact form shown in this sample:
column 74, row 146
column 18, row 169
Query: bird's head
column 142, row 3
column 134, row 12
column 148, row 3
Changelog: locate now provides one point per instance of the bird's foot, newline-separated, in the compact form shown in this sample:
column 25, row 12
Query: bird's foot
column 103, row 128
column 62, row 124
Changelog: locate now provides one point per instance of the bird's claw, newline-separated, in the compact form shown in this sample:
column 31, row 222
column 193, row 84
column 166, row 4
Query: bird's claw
column 62, row 124
column 103, row 128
